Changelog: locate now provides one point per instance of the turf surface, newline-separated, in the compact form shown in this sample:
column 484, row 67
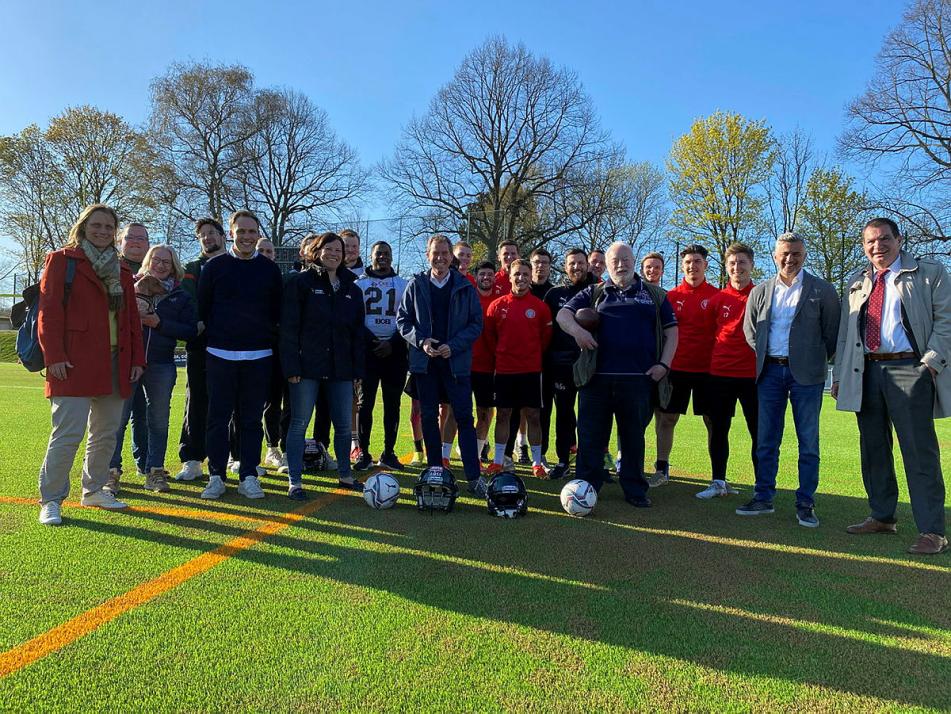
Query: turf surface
column 681, row 607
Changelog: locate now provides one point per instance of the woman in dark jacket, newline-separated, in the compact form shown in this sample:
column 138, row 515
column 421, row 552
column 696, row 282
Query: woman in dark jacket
column 168, row 315
column 322, row 348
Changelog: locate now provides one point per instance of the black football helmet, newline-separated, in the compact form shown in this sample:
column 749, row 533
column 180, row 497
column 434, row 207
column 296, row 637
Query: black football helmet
column 436, row 490
column 507, row 496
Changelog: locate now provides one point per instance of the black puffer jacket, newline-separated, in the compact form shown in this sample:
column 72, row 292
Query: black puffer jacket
column 322, row 329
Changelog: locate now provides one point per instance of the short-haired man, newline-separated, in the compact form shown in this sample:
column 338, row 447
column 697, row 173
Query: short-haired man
column 792, row 322
column 596, row 260
column 191, row 443
column 351, row 257
column 387, row 358
column 462, row 252
column 560, row 357
column 690, row 371
column 440, row 318
column 266, row 248
column 652, row 268
column 637, row 338
column 732, row 368
column 518, row 330
column 891, row 368
column 508, row 251
column 239, row 301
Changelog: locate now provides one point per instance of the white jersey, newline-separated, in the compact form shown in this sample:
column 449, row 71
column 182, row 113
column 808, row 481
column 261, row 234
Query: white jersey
column 381, row 300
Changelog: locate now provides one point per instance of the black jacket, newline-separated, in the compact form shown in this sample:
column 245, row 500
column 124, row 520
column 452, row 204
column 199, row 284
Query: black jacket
column 322, row 333
column 562, row 350
column 177, row 321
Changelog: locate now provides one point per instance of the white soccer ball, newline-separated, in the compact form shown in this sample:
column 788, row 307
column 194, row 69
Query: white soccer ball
column 381, row 491
column 578, row 498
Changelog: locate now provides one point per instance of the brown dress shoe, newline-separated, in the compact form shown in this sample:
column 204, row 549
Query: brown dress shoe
column 870, row 525
column 929, row 544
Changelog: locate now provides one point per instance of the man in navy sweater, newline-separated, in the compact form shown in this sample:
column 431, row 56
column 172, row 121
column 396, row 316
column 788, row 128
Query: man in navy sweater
column 239, row 301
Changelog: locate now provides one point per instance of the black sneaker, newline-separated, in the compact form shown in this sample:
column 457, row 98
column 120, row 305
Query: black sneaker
column 390, row 461
column 559, row 471
column 806, row 515
column 364, row 462
column 639, row 501
column 755, row 508
column 296, row 493
column 355, row 486
column 523, row 456
column 477, row 487
column 484, row 456
column 608, row 478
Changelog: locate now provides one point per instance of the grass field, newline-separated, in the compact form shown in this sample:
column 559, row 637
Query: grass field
column 183, row 605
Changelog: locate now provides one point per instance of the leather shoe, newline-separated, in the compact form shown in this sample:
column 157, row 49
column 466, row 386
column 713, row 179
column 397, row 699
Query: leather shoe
column 871, row 525
column 929, row 544
column 639, row 501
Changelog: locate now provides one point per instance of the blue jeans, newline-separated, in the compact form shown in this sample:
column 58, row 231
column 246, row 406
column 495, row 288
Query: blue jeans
column 775, row 388
column 432, row 386
column 157, row 382
column 303, row 399
column 135, row 408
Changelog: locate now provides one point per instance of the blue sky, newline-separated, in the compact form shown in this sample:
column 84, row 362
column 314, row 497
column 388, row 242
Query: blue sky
column 650, row 67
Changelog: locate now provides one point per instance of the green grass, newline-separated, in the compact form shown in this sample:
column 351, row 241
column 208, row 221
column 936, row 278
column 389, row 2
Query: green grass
column 8, row 350
column 681, row 607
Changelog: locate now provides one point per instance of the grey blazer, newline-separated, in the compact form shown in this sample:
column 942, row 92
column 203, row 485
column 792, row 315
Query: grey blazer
column 812, row 337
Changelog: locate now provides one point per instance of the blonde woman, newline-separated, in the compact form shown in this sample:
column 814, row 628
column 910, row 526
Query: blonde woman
column 168, row 314
column 92, row 345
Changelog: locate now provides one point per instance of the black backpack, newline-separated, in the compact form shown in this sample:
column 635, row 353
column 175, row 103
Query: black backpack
column 24, row 316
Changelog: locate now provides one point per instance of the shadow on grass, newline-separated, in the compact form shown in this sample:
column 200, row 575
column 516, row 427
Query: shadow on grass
column 681, row 580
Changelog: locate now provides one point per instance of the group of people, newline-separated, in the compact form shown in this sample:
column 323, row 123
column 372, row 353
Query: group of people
column 267, row 351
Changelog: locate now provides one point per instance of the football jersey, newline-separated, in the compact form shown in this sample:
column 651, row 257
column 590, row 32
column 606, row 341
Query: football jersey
column 381, row 300
column 695, row 325
column 732, row 355
column 517, row 330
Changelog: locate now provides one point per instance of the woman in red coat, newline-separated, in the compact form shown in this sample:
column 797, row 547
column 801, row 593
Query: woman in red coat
column 92, row 346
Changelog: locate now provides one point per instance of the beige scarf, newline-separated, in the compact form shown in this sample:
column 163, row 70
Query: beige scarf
column 105, row 263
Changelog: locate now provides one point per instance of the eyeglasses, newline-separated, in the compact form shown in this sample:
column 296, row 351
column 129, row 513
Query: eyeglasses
column 162, row 261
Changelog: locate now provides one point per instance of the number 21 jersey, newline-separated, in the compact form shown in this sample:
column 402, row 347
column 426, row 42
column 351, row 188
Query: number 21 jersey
column 381, row 300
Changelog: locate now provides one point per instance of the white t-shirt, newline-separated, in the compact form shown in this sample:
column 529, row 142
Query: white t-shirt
column 381, row 300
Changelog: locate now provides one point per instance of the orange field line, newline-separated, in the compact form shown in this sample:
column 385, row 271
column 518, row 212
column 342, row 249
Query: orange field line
column 81, row 625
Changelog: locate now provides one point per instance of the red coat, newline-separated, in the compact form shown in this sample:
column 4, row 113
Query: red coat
column 81, row 335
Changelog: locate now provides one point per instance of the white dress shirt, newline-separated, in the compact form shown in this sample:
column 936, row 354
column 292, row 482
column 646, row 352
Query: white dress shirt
column 785, row 301
column 894, row 337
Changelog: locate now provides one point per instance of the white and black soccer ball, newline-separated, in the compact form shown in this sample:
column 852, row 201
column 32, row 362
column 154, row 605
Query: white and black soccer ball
column 578, row 498
column 381, row 491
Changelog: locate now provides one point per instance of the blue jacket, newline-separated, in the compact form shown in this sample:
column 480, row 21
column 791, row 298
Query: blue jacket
column 177, row 321
column 415, row 324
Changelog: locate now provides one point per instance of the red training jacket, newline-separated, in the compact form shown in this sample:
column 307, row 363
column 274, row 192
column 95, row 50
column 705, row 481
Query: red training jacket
column 483, row 358
column 518, row 330
column 732, row 355
column 502, row 284
column 695, row 326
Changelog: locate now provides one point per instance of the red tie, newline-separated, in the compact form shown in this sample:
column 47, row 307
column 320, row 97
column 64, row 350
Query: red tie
column 873, row 318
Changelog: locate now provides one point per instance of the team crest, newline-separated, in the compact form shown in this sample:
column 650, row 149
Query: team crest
column 529, row 313
column 704, row 304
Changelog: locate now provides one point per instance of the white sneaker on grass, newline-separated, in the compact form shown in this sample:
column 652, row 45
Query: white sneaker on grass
column 251, row 487
column 714, row 490
column 103, row 499
column 190, row 471
column 273, row 457
column 216, row 488
column 282, row 467
column 235, row 468
column 50, row 514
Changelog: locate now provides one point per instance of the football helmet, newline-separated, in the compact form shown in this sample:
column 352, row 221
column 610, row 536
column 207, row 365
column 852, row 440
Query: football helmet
column 436, row 490
column 506, row 496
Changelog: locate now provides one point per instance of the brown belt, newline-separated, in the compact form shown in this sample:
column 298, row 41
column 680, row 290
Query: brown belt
column 889, row 356
column 778, row 360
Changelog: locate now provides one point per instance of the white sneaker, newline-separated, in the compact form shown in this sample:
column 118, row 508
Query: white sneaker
column 508, row 464
column 103, row 499
column 715, row 489
column 251, row 488
column 282, row 467
column 731, row 489
column 50, row 514
column 190, row 471
column 273, row 457
column 216, row 488
column 234, row 466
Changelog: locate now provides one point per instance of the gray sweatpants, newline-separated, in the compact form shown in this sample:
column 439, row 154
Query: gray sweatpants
column 70, row 417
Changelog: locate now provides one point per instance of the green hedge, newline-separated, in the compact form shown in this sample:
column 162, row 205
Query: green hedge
column 8, row 352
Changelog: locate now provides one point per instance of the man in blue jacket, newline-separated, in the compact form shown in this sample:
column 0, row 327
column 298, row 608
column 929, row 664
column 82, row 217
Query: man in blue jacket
column 440, row 317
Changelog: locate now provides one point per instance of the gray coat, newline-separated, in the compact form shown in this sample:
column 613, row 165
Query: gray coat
column 925, row 294
column 812, row 337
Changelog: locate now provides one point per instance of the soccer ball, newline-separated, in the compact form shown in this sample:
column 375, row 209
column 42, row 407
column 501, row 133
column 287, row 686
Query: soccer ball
column 578, row 498
column 381, row 491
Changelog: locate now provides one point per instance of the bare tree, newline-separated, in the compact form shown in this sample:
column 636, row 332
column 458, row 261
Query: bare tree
column 509, row 135
column 295, row 171
column 202, row 115
column 793, row 163
column 901, row 124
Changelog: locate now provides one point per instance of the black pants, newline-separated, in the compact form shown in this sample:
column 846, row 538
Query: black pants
column 515, row 421
column 433, row 387
column 564, row 391
column 191, row 443
column 238, row 388
column 723, row 393
column 322, row 418
column 274, row 434
column 628, row 398
column 392, row 378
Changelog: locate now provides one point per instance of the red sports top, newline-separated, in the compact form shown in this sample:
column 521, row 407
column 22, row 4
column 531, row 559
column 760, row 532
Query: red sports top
column 518, row 330
column 483, row 359
column 471, row 279
column 695, row 326
column 732, row 355
column 502, row 284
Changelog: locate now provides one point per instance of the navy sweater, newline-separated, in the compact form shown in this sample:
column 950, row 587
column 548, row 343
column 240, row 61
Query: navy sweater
column 240, row 302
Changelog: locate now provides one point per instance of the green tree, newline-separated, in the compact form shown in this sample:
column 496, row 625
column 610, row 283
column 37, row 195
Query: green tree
column 716, row 174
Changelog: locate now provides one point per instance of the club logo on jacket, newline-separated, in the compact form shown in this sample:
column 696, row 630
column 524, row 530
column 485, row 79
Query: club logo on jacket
column 529, row 313
column 704, row 304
